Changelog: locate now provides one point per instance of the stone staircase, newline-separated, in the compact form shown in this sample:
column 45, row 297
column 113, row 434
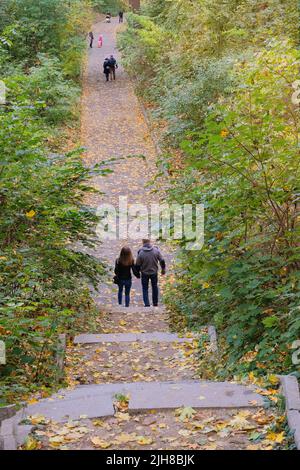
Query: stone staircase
column 130, row 332
column 97, row 400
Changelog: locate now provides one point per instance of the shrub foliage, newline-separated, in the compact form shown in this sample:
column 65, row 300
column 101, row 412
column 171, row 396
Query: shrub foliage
column 46, row 228
column 219, row 75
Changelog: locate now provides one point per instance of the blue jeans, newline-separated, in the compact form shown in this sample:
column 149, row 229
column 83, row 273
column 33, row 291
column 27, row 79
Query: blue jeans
column 124, row 283
column 154, row 284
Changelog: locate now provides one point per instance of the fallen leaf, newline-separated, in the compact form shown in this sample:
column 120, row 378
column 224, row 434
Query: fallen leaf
column 124, row 438
column 97, row 442
column 185, row 413
column 30, row 214
column 31, row 444
column 276, row 437
column 33, row 401
column 273, row 379
column 37, row 419
column 212, row 446
column 144, row 441
column 184, row 432
column 253, row 447
column 56, row 441
column 122, row 416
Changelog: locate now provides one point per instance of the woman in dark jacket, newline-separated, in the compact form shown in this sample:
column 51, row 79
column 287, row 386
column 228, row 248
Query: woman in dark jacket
column 106, row 68
column 124, row 268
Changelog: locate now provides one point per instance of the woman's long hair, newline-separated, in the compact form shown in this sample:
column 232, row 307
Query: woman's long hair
column 126, row 256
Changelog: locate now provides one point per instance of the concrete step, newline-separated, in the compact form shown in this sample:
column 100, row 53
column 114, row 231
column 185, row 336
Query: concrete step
column 12, row 433
column 134, row 309
column 97, row 400
column 160, row 337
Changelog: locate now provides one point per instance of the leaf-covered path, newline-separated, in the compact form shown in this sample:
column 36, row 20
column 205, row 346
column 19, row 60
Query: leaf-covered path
column 87, row 415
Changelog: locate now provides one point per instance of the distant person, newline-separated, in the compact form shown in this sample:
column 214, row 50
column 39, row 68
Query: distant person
column 106, row 68
column 91, row 37
column 108, row 17
column 124, row 267
column 121, row 16
column 100, row 41
column 148, row 260
column 113, row 66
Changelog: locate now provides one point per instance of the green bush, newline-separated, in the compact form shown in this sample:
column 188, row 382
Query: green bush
column 46, row 229
column 44, row 275
column 243, row 166
column 219, row 81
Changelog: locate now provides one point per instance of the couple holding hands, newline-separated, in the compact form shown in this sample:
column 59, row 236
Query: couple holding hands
column 145, row 267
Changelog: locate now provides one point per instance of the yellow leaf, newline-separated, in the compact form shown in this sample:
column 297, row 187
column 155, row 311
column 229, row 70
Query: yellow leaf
column 198, row 425
column 144, row 441
column 31, row 444
column 276, row 437
column 56, row 441
column 253, row 447
column 212, row 446
column 224, row 133
column 123, row 416
column 97, row 442
column 267, row 392
column 273, row 379
column 99, row 350
column 252, row 377
column 37, row 419
column 125, row 438
column 30, row 214
column 219, row 427
column 32, row 401
column 239, row 422
column 162, row 425
column 188, row 353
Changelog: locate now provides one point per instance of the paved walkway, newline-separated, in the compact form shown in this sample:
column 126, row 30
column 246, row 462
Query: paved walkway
column 132, row 373
column 113, row 125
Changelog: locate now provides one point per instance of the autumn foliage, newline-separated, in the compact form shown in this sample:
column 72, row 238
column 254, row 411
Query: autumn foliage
column 221, row 76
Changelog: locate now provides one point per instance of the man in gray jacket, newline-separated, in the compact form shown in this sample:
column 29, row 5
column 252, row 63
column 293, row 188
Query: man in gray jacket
column 148, row 260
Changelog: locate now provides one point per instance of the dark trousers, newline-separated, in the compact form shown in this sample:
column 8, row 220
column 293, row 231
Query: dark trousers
column 124, row 284
column 154, row 284
column 112, row 73
column 91, row 43
column 107, row 76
